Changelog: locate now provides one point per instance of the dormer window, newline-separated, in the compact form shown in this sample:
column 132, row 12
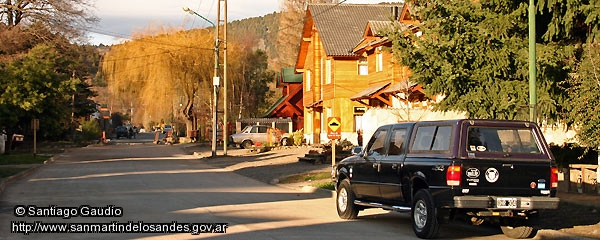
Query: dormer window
column 379, row 57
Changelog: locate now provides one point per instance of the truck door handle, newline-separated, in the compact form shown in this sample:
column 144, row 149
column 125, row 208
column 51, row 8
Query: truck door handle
column 378, row 166
column 395, row 166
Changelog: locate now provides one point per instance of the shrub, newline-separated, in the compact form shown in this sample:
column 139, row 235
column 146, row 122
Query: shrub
column 573, row 154
column 297, row 137
column 91, row 130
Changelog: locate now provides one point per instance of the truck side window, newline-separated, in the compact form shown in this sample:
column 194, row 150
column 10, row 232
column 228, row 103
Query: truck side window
column 423, row 138
column 442, row 139
column 376, row 144
column 396, row 145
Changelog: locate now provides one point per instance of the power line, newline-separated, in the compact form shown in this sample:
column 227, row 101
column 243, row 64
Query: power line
column 184, row 47
column 144, row 56
column 304, row 18
column 146, row 38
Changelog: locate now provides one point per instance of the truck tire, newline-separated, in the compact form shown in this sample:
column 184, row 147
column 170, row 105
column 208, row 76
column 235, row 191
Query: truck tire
column 515, row 228
column 424, row 215
column 345, row 201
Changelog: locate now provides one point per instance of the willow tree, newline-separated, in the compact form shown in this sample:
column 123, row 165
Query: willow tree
column 165, row 75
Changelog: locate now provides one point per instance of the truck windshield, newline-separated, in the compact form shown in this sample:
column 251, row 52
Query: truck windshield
column 505, row 140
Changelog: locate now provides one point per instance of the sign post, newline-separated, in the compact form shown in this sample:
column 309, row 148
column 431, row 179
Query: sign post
column 334, row 132
column 35, row 126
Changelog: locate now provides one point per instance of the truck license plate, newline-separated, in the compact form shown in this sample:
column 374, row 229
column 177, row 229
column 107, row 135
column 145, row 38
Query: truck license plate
column 506, row 202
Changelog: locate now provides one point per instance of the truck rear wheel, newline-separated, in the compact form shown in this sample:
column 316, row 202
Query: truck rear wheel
column 345, row 201
column 516, row 228
column 424, row 215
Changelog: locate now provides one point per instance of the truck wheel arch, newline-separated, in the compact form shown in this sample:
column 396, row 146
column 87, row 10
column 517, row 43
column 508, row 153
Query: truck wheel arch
column 342, row 174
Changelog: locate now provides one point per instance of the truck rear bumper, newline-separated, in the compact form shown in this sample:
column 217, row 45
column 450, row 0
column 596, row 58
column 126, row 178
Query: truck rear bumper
column 506, row 202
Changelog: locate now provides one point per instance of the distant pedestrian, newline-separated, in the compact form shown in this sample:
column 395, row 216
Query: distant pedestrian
column 135, row 131
column 360, row 137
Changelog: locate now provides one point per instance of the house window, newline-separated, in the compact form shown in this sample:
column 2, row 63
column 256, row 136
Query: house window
column 328, row 71
column 379, row 61
column 363, row 66
column 358, row 123
column 308, row 81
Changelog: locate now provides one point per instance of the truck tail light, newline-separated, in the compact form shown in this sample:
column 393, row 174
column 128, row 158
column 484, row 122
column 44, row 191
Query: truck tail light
column 453, row 175
column 554, row 177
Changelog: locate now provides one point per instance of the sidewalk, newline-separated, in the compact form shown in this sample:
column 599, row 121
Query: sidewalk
column 587, row 199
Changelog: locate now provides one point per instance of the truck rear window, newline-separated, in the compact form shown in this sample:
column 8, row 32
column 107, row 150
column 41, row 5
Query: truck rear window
column 505, row 140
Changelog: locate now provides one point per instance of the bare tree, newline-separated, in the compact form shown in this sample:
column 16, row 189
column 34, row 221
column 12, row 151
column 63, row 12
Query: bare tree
column 69, row 17
column 290, row 29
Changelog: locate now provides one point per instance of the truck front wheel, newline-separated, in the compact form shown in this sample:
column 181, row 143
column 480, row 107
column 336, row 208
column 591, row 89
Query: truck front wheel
column 345, row 201
column 424, row 215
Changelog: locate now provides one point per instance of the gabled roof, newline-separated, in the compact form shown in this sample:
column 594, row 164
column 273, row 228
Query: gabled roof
column 369, row 92
column 376, row 28
column 289, row 76
column 274, row 106
column 341, row 26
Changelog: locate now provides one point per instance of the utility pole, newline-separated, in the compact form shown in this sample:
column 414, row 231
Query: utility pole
column 216, row 79
column 225, row 102
column 532, row 64
column 216, row 84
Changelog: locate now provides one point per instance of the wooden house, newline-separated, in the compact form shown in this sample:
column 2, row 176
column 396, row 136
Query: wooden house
column 389, row 84
column 290, row 105
column 345, row 68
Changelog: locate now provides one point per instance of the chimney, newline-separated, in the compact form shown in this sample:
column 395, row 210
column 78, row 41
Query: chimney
column 396, row 12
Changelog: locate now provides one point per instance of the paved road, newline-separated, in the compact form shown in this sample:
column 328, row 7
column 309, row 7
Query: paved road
column 161, row 184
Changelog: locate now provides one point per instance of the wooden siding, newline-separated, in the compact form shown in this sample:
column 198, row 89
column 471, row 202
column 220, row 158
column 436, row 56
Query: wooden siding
column 345, row 80
column 344, row 109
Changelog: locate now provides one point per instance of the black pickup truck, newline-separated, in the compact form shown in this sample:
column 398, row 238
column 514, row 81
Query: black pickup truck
column 488, row 170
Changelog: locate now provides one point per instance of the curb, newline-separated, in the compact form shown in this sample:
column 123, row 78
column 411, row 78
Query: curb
column 303, row 188
column 22, row 174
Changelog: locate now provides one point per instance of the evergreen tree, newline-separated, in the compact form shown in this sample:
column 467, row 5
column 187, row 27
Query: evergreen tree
column 576, row 25
column 475, row 54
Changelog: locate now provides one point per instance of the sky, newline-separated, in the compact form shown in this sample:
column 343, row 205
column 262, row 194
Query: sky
column 120, row 18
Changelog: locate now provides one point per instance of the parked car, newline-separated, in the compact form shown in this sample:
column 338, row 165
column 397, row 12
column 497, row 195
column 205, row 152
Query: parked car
column 259, row 134
column 356, row 150
column 122, row 131
column 167, row 128
column 487, row 170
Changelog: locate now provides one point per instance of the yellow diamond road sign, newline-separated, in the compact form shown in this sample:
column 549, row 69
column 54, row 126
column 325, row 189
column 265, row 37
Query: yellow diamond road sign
column 334, row 124
column 334, row 130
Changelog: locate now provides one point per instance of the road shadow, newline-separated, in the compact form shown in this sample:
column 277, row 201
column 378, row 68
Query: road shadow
column 568, row 215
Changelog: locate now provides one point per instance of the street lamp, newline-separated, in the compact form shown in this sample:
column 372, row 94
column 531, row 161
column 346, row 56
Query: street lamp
column 216, row 81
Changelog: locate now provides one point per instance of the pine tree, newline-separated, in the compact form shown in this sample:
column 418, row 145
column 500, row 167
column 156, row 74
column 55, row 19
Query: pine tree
column 475, row 54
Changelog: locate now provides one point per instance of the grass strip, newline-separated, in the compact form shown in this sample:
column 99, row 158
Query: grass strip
column 305, row 177
column 7, row 172
column 22, row 158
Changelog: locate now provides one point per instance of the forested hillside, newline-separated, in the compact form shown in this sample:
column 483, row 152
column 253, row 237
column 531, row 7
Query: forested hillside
column 258, row 33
